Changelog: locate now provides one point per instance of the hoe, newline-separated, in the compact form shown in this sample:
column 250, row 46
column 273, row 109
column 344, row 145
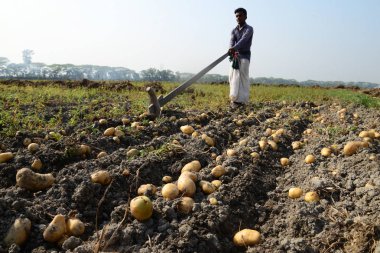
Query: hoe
column 157, row 103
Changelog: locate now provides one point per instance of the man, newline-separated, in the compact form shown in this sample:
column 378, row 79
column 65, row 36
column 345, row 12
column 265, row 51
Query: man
column 240, row 51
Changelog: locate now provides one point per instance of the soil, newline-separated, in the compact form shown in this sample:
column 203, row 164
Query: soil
column 253, row 194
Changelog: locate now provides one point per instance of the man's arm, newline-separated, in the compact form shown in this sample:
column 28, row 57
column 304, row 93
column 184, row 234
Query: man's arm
column 246, row 36
column 232, row 41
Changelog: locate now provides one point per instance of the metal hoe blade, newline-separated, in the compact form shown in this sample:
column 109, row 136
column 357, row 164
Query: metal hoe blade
column 157, row 103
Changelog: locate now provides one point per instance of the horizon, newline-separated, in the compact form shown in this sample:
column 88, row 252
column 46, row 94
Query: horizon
column 322, row 41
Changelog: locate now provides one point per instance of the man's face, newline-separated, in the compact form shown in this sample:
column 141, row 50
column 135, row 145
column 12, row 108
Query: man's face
column 240, row 18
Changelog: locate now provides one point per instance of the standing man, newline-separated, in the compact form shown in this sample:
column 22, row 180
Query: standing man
column 240, row 53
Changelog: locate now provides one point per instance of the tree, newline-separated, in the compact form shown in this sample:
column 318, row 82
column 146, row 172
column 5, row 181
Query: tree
column 27, row 56
column 3, row 61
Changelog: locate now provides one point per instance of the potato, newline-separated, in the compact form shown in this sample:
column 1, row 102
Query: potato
column 263, row 144
column 246, row 237
column 275, row 138
column 216, row 183
column 189, row 174
column 311, row 197
column 116, row 139
column 102, row 122
column 207, row 187
column 309, row 159
column 141, row 208
column 273, row 145
column 146, row 189
column 101, row 154
column 193, row 166
column 118, row 133
column 326, row 152
column 295, row 192
column 125, row 121
column 231, row 152
column 296, row 145
column 352, row 147
column 5, row 157
column 218, row 171
column 243, row 142
column 255, row 155
column 167, row 179
column 37, row 164
column 187, row 129
column 18, row 233
column 213, row 201
column 102, row 177
column 195, row 134
column 284, row 161
column 268, row 132
column 84, row 149
column 109, row 131
column 186, row 186
column 33, row 147
column 27, row 141
column 74, row 227
column 26, row 178
column 56, row 229
column 170, row 191
column 133, row 152
column 280, row 132
column 209, row 141
column 185, row 205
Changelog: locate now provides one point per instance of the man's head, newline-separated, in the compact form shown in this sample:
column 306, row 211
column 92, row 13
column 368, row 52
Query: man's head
column 241, row 15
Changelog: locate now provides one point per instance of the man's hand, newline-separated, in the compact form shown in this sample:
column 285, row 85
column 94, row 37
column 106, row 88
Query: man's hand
column 231, row 50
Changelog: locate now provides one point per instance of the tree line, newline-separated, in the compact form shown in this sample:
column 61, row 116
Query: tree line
column 41, row 71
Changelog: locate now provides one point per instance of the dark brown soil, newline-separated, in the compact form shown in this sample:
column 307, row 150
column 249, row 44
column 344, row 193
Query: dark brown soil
column 253, row 192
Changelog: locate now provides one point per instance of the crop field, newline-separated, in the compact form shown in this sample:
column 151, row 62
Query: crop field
column 299, row 165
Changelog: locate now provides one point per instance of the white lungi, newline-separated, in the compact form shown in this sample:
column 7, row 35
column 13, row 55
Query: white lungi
column 239, row 82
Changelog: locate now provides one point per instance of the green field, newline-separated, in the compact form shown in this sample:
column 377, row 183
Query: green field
column 35, row 108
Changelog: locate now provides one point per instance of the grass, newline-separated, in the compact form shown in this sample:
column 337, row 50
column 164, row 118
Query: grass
column 48, row 108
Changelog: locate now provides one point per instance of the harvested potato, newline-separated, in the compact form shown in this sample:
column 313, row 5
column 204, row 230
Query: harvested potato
column 56, row 229
column 133, row 152
column 84, row 149
column 18, row 233
column 284, row 161
column 195, row 134
column 27, row 141
column 255, row 155
column 102, row 154
column 103, row 122
column 33, row 147
column 37, row 164
column 109, row 131
column 28, row 179
column 311, row 196
column 352, row 147
column 209, row 141
column 193, row 166
column 231, row 152
column 295, row 192
column 246, row 237
column 74, row 227
column 268, row 132
column 273, row 145
column 189, row 174
column 125, row 121
column 280, row 132
column 118, row 133
column 102, row 177
column 296, row 145
column 146, row 189
column 116, row 139
column 218, row 171
column 186, row 186
column 213, row 201
column 216, row 183
column 243, row 142
column 167, row 179
column 141, row 208
column 170, row 191
column 309, row 159
column 263, row 144
column 5, row 157
column 187, row 129
column 326, row 152
column 207, row 187
column 185, row 205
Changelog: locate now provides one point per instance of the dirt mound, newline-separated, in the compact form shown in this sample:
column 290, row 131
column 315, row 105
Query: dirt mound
column 253, row 194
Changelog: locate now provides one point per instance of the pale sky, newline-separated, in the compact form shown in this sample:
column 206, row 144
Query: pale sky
column 326, row 40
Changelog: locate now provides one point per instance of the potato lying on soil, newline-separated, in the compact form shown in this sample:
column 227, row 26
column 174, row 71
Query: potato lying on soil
column 216, row 183
column 33, row 147
column 18, row 233
column 231, row 152
column 185, row 205
column 56, row 229
column 352, row 147
column 74, row 227
column 218, row 171
column 284, row 161
column 207, row 187
column 246, row 237
column 109, row 131
column 169, row 191
column 5, row 157
column 326, row 152
column 311, row 197
column 295, row 192
column 146, row 189
column 141, row 208
column 186, row 186
column 84, row 149
column 189, row 174
column 167, row 179
column 209, row 141
column 187, row 129
column 102, row 177
column 26, row 178
column 309, row 159
column 213, row 201
column 193, row 166
column 37, row 164
column 101, row 154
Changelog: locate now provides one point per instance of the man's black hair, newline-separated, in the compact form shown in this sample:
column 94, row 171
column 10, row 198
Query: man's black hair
column 242, row 10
